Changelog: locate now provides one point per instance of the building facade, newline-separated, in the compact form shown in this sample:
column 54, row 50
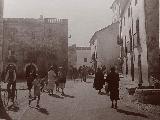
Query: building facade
column 83, row 56
column 104, row 48
column 138, row 35
column 42, row 41
column 72, row 56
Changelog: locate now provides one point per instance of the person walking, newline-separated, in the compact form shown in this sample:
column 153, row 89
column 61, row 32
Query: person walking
column 30, row 76
column 10, row 78
column 80, row 72
column 37, row 89
column 113, row 86
column 84, row 73
column 51, row 80
column 61, row 79
column 99, row 80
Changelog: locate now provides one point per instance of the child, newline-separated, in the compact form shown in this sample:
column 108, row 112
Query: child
column 37, row 89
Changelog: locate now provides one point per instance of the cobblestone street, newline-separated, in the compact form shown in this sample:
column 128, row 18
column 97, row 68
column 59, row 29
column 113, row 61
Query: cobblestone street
column 81, row 102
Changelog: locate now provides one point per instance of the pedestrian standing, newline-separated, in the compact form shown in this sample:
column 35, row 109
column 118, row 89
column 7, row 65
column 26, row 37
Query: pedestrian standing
column 37, row 89
column 113, row 86
column 80, row 72
column 84, row 73
column 61, row 79
column 51, row 80
column 99, row 80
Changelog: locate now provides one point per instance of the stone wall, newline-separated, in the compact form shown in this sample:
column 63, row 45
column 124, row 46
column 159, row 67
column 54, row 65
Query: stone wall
column 42, row 41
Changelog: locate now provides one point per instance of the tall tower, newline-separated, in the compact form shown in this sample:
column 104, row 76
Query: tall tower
column 1, row 8
column 1, row 33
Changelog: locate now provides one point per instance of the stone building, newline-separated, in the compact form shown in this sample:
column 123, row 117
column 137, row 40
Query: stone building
column 83, row 56
column 138, row 35
column 72, row 56
column 1, row 8
column 1, row 32
column 104, row 48
column 79, row 56
column 42, row 41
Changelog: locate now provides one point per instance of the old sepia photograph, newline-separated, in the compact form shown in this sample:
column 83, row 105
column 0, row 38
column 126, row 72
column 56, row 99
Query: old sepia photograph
column 79, row 60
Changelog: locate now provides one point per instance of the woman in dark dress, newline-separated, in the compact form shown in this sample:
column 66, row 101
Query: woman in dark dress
column 99, row 80
column 113, row 86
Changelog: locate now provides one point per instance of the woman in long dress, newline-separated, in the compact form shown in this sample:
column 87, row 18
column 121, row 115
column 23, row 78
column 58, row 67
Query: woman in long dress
column 113, row 85
column 99, row 80
column 51, row 80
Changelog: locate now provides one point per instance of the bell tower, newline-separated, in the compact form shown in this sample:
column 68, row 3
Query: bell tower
column 1, row 33
column 1, row 8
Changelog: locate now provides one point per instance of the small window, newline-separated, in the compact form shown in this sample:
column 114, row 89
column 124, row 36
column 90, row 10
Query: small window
column 137, row 31
column 85, row 59
column 129, row 12
column 136, row 1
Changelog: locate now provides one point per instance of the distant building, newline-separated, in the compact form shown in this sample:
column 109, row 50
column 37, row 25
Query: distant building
column 79, row 56
column 104, row 48
column 139, row 38
column 83, row 56
column 42, row 41
column 72, row 56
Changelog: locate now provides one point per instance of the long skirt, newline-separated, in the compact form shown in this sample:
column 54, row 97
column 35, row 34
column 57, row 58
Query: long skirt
column 51, row 85
column 114, row 94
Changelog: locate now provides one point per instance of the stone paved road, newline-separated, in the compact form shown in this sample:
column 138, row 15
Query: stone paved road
column 81, row 102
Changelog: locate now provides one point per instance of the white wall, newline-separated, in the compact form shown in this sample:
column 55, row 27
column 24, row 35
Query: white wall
column 81, row 54
column 107, row 48
column 137, row 13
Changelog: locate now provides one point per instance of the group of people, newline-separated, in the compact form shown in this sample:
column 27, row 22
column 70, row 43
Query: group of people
column 82, row 72
column 55, row 78
column 112, row 82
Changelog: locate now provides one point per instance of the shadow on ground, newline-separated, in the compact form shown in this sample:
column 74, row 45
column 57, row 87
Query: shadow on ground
column 131, row 113
column 57, row 96
column 69, row 96
column 41, row 110
column 103, row 93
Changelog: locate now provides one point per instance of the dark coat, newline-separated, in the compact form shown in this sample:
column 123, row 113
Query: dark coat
column 61, row 77
column 113, row 85
column 99, row 80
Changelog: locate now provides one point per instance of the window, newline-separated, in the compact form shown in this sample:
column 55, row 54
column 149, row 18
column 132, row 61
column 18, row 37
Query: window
column 129, row 12
column 131, row 42
column 124, row 21
column 137, row 31
column 85, row 59
column 136, row 1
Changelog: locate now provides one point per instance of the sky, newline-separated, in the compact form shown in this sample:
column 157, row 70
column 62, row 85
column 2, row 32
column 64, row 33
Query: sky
column 85, row 16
